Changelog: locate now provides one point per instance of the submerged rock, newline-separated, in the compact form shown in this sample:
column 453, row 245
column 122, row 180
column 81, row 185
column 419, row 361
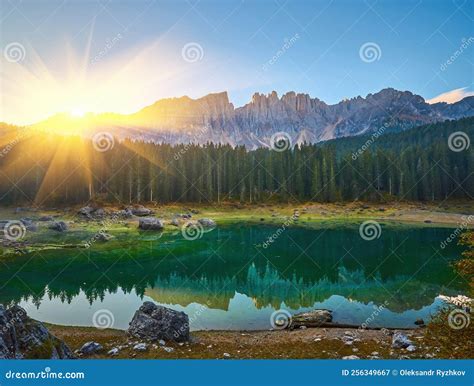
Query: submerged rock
column 24, row 338
column 155, row 322
column 314, row 318
column 151, row 223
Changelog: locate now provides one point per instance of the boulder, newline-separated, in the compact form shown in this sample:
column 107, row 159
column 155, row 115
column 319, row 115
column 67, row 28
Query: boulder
column 29, row 224
column 59, row 226
column 99, row 213
column 140, row 347
column 314, row 318
column 46, row 218
column 86, row 211
column 90, row 348
column 155, row 322
column 140, row 210
column 24, row 338
column 174, row 222
column 207, row 222
column 400, row 340
column 126, row 213
column 113, row 352
column 151, row 224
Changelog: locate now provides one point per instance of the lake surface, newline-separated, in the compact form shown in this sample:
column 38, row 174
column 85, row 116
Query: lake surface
column 228, row 278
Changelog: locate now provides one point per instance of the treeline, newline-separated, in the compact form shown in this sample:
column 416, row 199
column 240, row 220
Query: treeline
column 414, row 165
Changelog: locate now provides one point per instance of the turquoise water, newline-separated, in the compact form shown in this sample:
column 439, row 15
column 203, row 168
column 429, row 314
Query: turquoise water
column 230, row 279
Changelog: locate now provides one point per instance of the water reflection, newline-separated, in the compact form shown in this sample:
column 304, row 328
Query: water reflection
column 238, row 283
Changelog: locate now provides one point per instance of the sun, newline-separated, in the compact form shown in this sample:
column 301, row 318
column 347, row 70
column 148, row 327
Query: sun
column 77, row 112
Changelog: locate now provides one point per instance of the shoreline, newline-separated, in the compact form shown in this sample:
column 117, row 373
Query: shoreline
column 308, row 343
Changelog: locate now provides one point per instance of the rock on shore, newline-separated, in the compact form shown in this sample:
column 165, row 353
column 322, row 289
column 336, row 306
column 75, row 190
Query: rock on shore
column 153, row 322
column 24, row 338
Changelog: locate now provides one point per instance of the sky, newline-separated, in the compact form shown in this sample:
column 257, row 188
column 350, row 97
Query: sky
column 99, row 55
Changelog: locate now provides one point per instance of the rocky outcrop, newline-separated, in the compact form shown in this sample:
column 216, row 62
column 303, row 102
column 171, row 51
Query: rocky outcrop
column 154, row 322
column 24, row 338
column 150, row 224
column 314, row 318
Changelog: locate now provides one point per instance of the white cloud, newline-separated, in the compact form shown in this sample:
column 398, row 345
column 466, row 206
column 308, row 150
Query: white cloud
column 451, row 96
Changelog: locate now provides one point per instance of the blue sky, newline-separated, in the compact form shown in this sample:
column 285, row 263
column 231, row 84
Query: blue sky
column 136, row 47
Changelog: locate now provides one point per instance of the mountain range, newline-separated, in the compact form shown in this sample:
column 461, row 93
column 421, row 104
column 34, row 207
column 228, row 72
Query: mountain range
column 213, row 118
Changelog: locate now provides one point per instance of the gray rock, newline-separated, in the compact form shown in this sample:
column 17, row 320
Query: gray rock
column 113, row 351
column 168, row 349
column 86, row 211
column 411, row 348
column 99, row 213
column 140, row 210
column 351, row 357
column 59, row 226
column 140, row 347
column 312, row 318
column 207, row 222
column 400, row 340
column 24, row 338
column 155, row 322
column 46, row 218
column 90, row 348
column 29, row 224
column 174, row 222
column 151, row 223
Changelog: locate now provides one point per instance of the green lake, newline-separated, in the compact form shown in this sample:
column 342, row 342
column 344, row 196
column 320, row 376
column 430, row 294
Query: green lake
column 228, row 278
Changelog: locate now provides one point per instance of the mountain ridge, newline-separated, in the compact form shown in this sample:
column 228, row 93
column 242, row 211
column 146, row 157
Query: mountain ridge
column 213, row 118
